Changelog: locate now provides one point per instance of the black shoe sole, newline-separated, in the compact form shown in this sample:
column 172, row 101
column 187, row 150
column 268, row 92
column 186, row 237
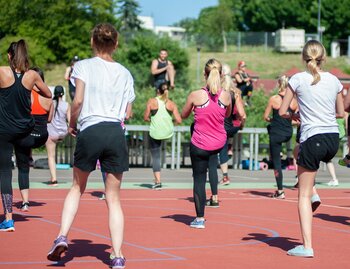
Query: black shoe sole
column 55, row 256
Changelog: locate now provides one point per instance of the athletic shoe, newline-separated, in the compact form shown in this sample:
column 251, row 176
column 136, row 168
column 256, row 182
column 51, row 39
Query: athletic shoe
column 300, row 251
column 225, row 180
column 279, row 195
column 117, row 263
column 212, row 203
column 60, row 245
column 24, row 207
column 157, row 186
column 102, row 197
column 198, row 224
column 7, row 226
column 315, row 202
column 52, row 183
column 333, row 183
column 344, row 162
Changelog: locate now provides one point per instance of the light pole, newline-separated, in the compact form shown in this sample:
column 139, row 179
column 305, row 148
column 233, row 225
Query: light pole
column 319, row 30
column 198, row 63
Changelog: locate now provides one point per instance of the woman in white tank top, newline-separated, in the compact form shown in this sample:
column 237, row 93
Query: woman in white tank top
column 57, row 129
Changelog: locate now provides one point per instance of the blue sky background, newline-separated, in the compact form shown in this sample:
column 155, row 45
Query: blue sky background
column 167, row 12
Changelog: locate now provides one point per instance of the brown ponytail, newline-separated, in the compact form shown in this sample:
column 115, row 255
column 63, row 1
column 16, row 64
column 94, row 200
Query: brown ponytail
column 164, row 92
column 18, row 56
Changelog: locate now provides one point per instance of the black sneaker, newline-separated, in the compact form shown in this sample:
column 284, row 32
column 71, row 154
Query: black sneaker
column 279, row 195
column 157, row 186
column 212, row 203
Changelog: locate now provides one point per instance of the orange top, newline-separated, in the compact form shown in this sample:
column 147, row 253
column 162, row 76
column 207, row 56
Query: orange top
column 37, row 109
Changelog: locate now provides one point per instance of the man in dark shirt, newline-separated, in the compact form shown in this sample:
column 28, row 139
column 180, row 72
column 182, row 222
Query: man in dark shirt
column 163, row 70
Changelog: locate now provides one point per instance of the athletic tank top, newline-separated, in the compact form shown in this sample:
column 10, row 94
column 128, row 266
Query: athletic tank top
column 162, row 126
column 162, row 75
column 15, row 108
column 280, row 125
column 228, row 123
column 209, row 132
column 37, row 109
column 242, row 76
column 58, row 125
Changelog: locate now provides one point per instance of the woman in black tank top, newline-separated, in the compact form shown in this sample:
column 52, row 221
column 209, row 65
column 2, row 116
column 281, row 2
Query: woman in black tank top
column 16, row 121
column 280, row 131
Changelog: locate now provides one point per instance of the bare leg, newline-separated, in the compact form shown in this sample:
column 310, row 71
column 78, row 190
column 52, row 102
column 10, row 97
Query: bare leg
column 306, row 182
column 25, row 196
column 51, row 156
column 71, row 203
column 156, row 177
column 170, row 75
column 224, row 167
column 331, row 170
column 115, row 212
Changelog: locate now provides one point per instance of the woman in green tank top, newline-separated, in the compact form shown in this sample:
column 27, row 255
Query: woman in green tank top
column 159, row 112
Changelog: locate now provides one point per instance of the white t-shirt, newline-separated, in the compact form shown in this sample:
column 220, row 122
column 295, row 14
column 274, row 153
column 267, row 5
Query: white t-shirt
column 317, row 103
column 109, row 87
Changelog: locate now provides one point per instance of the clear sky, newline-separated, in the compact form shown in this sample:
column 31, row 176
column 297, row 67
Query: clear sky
column 167, row 12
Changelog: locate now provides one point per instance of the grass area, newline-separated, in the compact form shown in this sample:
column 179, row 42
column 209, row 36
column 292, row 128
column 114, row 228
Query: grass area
column 54, row 75
column 267, row 64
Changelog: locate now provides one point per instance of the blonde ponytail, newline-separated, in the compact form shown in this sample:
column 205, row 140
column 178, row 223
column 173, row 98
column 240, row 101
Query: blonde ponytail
column 282, row 83
column 314, row 55
column 213, row 69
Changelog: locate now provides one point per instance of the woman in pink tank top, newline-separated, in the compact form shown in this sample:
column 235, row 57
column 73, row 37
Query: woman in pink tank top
column 210, row 106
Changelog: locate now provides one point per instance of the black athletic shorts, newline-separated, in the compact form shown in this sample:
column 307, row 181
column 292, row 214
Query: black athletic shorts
column 105, row 142
column 321, row 147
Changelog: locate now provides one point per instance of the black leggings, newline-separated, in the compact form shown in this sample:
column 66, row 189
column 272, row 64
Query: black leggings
column 7, row 142
column 156, row 146
column 276, row 141
column 23, row 147
column 200, row 160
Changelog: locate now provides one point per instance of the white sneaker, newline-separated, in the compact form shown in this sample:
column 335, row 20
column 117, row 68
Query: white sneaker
column 333, row 183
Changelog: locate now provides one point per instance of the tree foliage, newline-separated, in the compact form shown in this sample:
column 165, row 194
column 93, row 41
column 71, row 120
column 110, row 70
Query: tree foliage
column 60, row 28
column 128, row 11
column 137, row 55
column 269, row 16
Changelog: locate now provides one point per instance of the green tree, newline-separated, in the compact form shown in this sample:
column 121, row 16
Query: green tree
column 61, row 28
column 128, row 11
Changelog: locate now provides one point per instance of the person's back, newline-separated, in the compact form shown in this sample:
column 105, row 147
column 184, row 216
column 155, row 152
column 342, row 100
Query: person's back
column 280, row 125
column 209, row 132
column 58, row 125
column 316, row 103
column 15, row 105
column 162, row 126
column 107, row 90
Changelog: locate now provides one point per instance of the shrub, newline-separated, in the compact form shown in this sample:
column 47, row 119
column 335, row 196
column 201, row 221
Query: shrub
column 138, row 53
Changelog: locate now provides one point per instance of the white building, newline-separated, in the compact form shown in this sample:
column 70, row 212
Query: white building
column 176, row 33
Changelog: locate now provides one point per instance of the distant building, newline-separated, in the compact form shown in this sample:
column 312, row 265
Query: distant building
column 176, row 33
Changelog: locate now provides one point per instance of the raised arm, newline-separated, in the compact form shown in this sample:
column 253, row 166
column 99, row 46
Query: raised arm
column 41, row 87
